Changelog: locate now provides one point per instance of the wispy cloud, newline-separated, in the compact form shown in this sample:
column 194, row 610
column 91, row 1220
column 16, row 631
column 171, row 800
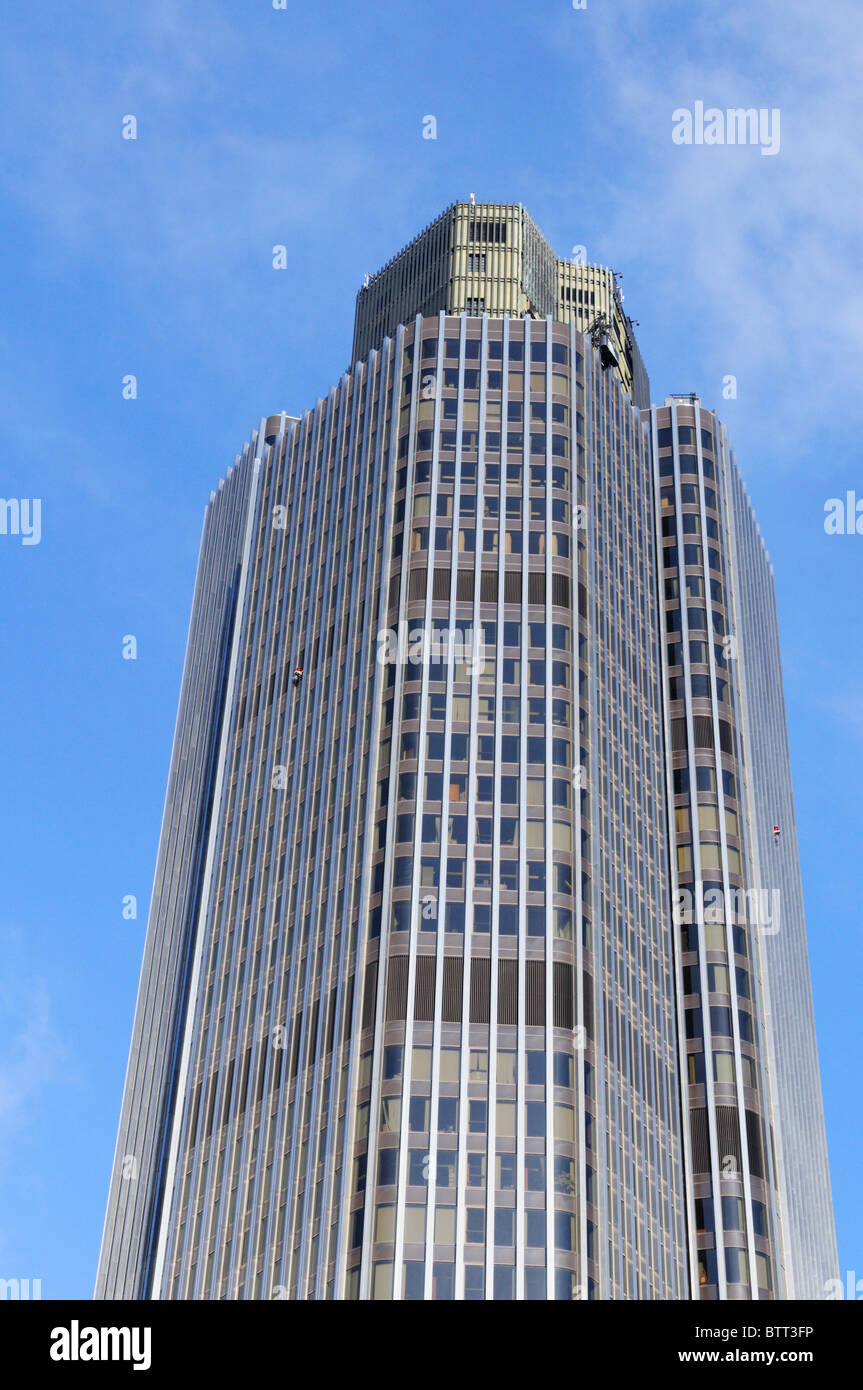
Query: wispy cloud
column 33, row 1055
column 759, row 254
column 191, row 209
column 846, row 708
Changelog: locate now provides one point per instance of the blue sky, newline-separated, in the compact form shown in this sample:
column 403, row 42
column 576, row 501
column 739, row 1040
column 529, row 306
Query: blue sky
column 153, row 257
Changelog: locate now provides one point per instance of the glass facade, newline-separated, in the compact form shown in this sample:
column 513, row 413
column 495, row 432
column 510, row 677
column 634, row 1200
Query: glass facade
column 477, row 702
column 750, row 1066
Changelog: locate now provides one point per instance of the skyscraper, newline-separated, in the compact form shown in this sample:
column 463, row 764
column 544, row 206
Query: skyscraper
column 475, row 966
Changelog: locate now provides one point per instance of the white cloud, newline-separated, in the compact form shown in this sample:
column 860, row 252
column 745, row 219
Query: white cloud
column 757, row 258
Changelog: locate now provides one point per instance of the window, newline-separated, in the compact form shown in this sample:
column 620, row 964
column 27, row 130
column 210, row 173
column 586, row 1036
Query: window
column 563, row 923
column 507, row 921
column 706, row 1267
column 762, row 1267
column 691, row 984
column 703, row 1214
column 505, row 1172
column 564, row 1230
column 535, row 1119
column 732, row 1213
column 444, row 1226
column 418, row 1115
column 449, row 1064
column 457, row 829
column 504, row 1226
column 736, row 1266
column 506, row 1119
column 446, row 1168
column 564, row 1123
column 717, row 977
column 421, row 1064
column 536, row 921
column 387, row 1167
column 391, row 1114
column 417, row 1167
column 447, row 1115
column 534, row 1172
column 382, row 1280
column 534, row 1229
column 477, row 1117
column 723, row 1067
column 506, row 1068
column 509, row 790
column 393, row 1056
column 415, row 1226
column 434, row 747
column 564, row 1175
column 455, row 875
column 536, row 878
column 385, row 1222
column 476, row 1170
column 563, row 1069
column 474, row 1226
